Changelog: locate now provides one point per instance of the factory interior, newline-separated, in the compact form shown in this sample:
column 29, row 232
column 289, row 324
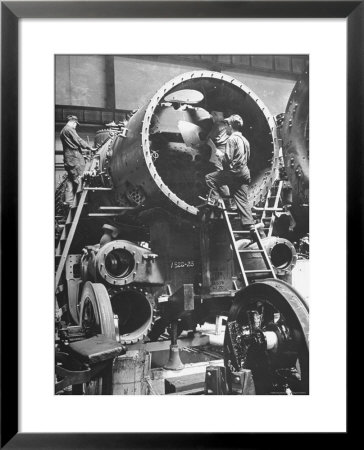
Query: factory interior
column 158, row 291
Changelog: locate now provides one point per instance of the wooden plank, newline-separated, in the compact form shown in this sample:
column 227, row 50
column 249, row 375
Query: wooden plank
column 186, row 382
column 189, row 369
column 198, row 339
column 196, row 391
column 156, row 382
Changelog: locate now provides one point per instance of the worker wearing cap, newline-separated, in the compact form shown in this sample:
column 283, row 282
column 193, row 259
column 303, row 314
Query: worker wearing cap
column 235, row 172
column 74, row 161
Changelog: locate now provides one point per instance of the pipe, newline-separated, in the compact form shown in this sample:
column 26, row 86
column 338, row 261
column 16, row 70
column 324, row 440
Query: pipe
column 281, row 252
column 134, row 311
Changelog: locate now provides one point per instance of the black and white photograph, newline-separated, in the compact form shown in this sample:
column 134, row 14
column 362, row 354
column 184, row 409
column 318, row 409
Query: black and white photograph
column 181, row 224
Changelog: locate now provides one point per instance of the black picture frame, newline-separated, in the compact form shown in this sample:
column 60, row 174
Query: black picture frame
column 11, row 12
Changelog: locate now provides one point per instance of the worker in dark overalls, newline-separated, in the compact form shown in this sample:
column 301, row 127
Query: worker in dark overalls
column 73, row 157
column 235, row 172
column 219, row 137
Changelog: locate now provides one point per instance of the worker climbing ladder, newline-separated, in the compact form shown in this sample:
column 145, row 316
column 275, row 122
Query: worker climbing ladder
column 247, row 275
column 75, row 211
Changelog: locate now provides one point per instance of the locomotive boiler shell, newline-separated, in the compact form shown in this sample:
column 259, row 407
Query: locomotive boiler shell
column 136, row 173
column 295, row 137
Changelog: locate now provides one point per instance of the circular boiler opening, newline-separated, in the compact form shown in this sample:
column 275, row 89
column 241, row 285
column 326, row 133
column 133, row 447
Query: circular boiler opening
column 135, row 315
column 181, row 134
column 281, row 256
column 119, row 263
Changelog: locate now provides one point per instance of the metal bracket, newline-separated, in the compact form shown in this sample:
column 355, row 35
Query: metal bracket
column 150, row 257
column 188, row 297
column 242, row 382
column 123, row 132
column 215, row 381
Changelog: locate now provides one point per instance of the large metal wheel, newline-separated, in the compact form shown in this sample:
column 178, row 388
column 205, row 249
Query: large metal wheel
column 97, row 317
column 267, row 332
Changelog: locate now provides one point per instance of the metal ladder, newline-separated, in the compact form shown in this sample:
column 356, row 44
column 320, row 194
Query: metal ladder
column 269, row 271
column 70, row 227
column 268, row 216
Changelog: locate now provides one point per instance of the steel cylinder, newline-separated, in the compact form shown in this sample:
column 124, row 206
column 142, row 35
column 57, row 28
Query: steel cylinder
column 126, row 270
column 154, row 164
column 295, row 137
column 134, row 310
column 281, row 253
column 120, row 263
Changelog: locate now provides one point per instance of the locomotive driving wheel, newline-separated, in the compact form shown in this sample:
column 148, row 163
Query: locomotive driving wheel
column 267, row 332
column 96, row 317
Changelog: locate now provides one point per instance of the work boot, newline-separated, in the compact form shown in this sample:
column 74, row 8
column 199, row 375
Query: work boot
column 253, row 234
column 230, row 204
column 213, row 200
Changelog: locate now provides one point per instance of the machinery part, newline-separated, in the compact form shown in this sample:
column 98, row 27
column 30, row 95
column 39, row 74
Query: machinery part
column 96, row 315
column 134, row 310
column 242, row 382
column 71, row 372
column 304, row 247
column 120, row 263
column 281, row 252
column 175, row 178
column 215, row 380
column 282, row 255
column 135, row 195
column 268, row 332
column 74, row 283
column 295, row 137
column 110, row 131
column 174, row 361
column 158, row 328
column 104, row 139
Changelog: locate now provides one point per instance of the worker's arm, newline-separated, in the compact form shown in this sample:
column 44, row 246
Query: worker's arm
column 228, row 154
column 216, row 154
column 76, row 138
